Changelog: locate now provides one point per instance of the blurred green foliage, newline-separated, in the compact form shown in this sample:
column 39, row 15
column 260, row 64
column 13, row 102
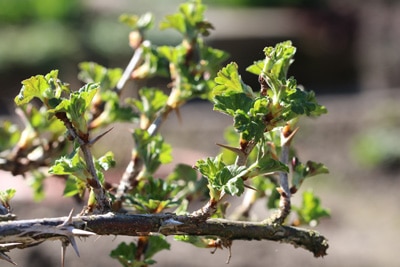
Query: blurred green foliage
column 377, row 145
column 24, row 11
column 45, row 32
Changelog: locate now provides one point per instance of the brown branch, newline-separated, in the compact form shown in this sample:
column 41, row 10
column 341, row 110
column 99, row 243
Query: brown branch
column 25, row 233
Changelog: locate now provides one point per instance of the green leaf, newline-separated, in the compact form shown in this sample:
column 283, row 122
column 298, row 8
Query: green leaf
column 234, row 186
column 222, row 177
column 153, row 196
column 125, row 254
column 152, row 100
column 141, row 23
column 74, row 186
column 36, row 182
column 156, row 244
column 256, row 68
column 152, row 149
column 266, row 165
column 76, row 106
column 71, row 165
column 302, row 171
column 228, row 81
column 9, row 135
column 6, row 196
column 278, row 59
column 189, row 20
column 302, row 102
column 229, row 104
column 106, row 162
column 182, row 172
column 311, row 210
column 45, row 88
column 198, row 241
column 91, row 72
column 210, row 167
column 250, row 127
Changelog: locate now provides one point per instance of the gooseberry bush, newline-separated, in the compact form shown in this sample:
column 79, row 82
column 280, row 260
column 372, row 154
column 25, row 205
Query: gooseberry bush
column 62, row 125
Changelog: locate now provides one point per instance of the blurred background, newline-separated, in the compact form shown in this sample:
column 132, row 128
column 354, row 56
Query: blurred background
column 347, row 52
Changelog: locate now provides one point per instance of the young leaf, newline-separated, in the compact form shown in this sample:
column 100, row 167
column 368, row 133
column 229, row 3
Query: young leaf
column 229, row 104
column 9, row 135
column 47, row 88
column 228, row 81
column 106, row 162
column 36, row 182
column 6, row 196
column 189, row 20
column 156, row 244
column 278, row 59
column 76, row 106
column 311, row 210
column 266, row 165
column 74, row 186
column 250, row 127
column 256, row 68
column 140, row 23
column 71, row 165
column 91, row 72
column 125, row 254
column 301, row 172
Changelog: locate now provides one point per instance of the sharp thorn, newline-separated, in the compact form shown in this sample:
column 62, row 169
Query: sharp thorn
column 67, row 221
column 7, row 258
column 73, row 244
column 250, row 187
column 288, row 139
column 235, row 150
column 63, row 251
column 97, row 138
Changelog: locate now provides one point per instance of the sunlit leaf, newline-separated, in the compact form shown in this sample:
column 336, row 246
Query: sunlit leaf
column 311, row 211
column 91, row 72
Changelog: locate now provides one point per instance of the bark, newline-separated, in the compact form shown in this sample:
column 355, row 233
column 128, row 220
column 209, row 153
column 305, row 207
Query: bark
column 25, row 233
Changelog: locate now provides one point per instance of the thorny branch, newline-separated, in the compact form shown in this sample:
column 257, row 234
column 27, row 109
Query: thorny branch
column 102, row 201
column 25, row 233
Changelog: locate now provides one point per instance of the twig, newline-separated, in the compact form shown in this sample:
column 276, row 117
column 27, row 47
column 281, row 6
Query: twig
column 133, row 63
column 135, row 166
column 284, row 189
column 102, row 201
column 26, row 233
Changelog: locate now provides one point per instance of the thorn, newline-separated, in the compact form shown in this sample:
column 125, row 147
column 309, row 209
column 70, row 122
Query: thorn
column 69, row 231
column 67, row 221
column 287, row 140
column 64, row 245
column 235, row 150
column 73, row 244
column 97, row 138
column 9, row 245
column 229, row 255
column 5, row 257
column 169, row 224
column 178, row 115
column 250, row 187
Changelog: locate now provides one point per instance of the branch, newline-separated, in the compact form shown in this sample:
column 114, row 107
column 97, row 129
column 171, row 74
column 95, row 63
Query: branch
column 102, row 201
column 25, row 233
column 284, row 204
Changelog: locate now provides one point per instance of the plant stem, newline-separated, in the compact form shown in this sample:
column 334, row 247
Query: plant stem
column 133, row 63
column 284, row 204
column 102, row 201
column 26, row 233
